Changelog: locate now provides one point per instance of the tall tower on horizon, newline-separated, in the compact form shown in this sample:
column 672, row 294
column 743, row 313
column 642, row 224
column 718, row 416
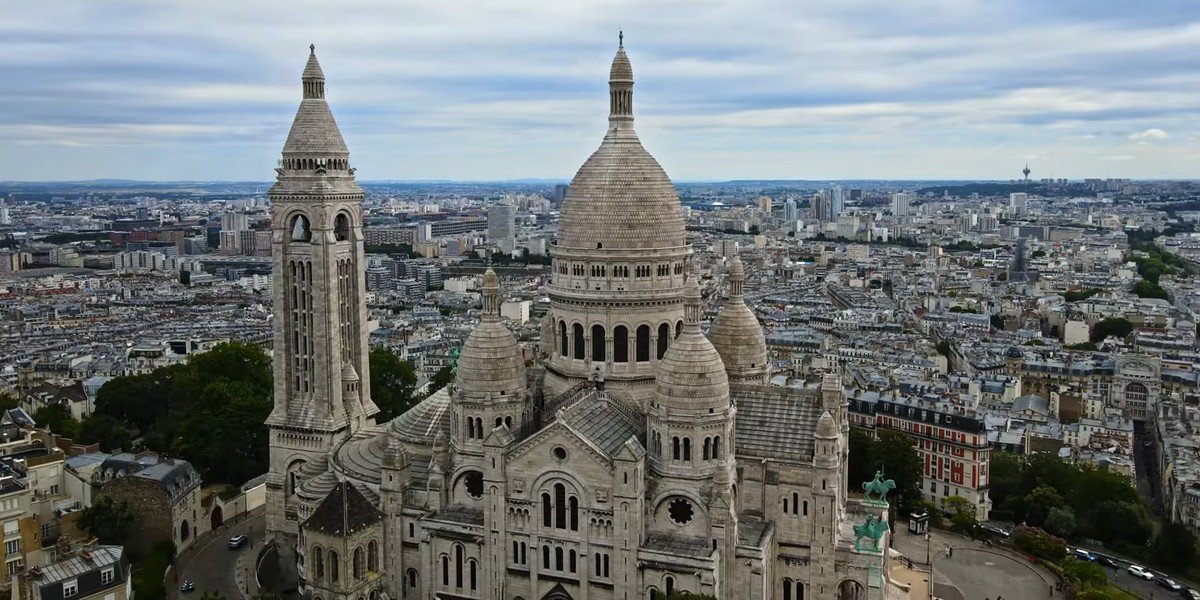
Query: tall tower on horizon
column 322, row 394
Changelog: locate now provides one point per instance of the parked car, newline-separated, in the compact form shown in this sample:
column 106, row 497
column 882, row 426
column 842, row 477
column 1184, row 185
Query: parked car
column 1082, row 554
column 238, row 541
column 187, row 586
column 1190, row 594
column 1169, row 583
column 1106, row 560
column 995, row 530
column 1139, row 571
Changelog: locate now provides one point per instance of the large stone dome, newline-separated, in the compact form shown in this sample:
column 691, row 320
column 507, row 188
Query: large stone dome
column 737, row 334
column 691, row 375
column 621, row 198
column 491, row 361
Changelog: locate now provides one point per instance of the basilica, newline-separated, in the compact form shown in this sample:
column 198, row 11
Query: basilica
column 632, row 457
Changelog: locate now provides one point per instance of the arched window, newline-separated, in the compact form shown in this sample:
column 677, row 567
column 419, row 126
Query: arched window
column 545, row 509
column 357, row 563
column 301, row 231
column 445, row 570
column 318, row 561
column 620, row 344
column 795, row 503
column 577, row 330
column 341, row 227
column 707, row 444
column 664, row 337
column 562, row 338
column 574, row 506
column 412, row 578
column 333, row 566
column 558, row 559
column 597, row 343
column 670, row 585
column 687, row 449
column 560, row 506
column 470, row 428
column 571, row 561
column 675, row 448
column 642, row 344
column 471, row 571
column 799, row 590
column 678, row 328
column 716, row 447
column 1136, row 392
column 373, row 556
column 787, row 589
column 458, row 566
column 546, row 557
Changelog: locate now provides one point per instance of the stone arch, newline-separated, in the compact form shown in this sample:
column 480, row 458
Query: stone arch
column 373, row 556
column 621, row 344
column 664, row 338
column 318, row 563
column 578, row 340
column 299, row 227
column 331, row 557
column 598, row 343
column 357, row 563
column 341, row 226
column 185, row 531
column 468, row 485
column 642, row 344
column 563, row 348
column 850, row 589
column 217, row 518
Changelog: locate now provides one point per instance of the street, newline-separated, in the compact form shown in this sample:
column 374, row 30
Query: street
column 213, row 567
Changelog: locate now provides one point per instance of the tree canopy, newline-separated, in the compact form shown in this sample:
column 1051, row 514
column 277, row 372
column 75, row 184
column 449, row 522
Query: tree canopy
column 209, row 410
column 393, row 382
column 896, row 455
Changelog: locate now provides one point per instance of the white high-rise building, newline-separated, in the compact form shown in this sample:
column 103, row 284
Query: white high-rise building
column 5, row 217
column 1019, row 203
column 235, row 221
column 501, row 226
column 790, row 214
column 837, row 202
column 901, row 204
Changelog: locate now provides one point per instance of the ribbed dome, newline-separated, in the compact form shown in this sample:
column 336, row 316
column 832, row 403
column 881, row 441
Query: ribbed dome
column 491, row 360
column 691, row 374
column 737, row 334
column 621, row 198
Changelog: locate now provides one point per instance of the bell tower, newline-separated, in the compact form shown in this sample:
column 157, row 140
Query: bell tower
column 320, row 345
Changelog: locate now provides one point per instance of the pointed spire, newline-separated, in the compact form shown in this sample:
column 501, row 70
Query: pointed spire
column 737, row 277
column 491, row 295
column 620, row 85
column 313, row 77
column 691, row 303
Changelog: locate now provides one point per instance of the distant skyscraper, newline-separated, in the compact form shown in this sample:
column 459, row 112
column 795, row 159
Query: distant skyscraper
column 235, row 221
column 837, row 202
column 1018, row 202
column 821, row 207
column 501, row 225
column 764, row 205
column 560, row 193
column 901, row 204
column 789, row 210
column 5, row 217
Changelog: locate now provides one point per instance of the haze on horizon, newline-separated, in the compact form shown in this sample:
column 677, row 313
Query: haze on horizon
column 757, row 89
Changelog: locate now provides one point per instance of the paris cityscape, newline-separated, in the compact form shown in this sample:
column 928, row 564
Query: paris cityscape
column 670, row 327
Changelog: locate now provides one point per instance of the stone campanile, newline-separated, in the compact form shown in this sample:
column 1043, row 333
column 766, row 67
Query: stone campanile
column 320, row 344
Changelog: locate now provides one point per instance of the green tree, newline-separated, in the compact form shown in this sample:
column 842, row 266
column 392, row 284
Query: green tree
column 106, row 431
column 107, row 521
column 1122, row 523
column 860, row 467
column 1174, row 547
column 393, row 382
column 1060, row 522
column 896, row 454
column 58, row 419
column 1077, row 295
column 1114, row 326
column 440, row 379
column 962, row 514
column 997, row 321
column 1040, row 502
column 1150, row 289
column 1084, row 574
column 8, row 401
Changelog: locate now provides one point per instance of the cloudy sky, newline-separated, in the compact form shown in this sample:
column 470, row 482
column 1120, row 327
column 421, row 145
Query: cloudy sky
column 448, row 89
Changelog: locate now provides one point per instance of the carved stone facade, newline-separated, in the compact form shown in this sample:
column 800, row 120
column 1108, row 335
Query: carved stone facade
column 641, row 463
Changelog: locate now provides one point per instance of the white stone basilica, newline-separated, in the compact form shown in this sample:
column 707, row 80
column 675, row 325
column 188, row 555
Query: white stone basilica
column 633, row 458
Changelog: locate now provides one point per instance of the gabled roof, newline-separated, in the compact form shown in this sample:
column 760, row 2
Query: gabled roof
column 344, row 511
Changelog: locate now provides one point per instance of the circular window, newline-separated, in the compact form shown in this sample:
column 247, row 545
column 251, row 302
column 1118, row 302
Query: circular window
column 473, row 481
column 560, row 453
column 680, row 510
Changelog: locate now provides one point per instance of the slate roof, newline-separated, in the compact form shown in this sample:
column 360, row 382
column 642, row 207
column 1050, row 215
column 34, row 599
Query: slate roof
column 750, row 531
column 344, row 511
column 678, row 545
column 72, row 568
column 458, row 513
column 776, row 423
column 602, row 422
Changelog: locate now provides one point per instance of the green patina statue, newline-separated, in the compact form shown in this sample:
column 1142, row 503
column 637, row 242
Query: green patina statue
column 879, row 486
column 872, row 529
column 454, row 361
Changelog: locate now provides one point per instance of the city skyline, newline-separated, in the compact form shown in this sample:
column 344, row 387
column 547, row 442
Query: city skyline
column 768, row 91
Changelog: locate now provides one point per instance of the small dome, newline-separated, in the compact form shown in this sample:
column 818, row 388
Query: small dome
column 312, row 70
column 491, row 362
column 691, row 374
column 348, row 372
column 621, row 69
column 1014, row 352
column 738, row 336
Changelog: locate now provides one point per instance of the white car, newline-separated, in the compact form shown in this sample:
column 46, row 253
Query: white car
column 1138, row 571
